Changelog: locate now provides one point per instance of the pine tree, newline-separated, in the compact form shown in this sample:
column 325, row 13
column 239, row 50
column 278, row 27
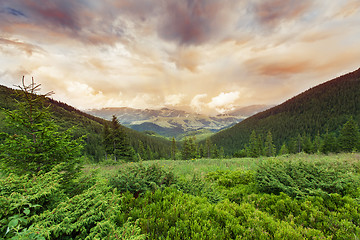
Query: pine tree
column 185, row 152
column 141, row 151
column 192, row 147
column 349, row 136
column 283, row 150
column 106, row 139
column 317, row 143
column 208, row 148
column 329, row 143
column 173, row 149
column 202, row 152
column 254, row 148
column 149, row 153
column 269, row 149
column 215, row 152
column 121, row 147
column 221, row 153
column 36, row 144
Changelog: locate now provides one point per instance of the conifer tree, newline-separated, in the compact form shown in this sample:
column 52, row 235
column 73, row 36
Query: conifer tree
column 193, row 147
column 208, row 148
column 269, row 149
column 221, row 153
column 215, row 152
column 150, row 154
column 283, row 150
column 120, row 144
column 106, row 138
column 317, row 143
column 173, row 149
column 141, row 151
column 329, row 143
column 185, row 152
column 36, row 144
column 202, row 152
column 349, row 136
column 254, row 148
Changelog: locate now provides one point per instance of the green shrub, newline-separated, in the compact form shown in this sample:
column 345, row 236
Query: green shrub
column 198, row 187
column 22, row 197
column 90, row 215
column 171, row 214
column 137, row 178
column 302, row 178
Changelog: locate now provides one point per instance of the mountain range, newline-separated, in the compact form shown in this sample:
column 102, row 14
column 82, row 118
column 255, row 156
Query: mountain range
column 172, row 122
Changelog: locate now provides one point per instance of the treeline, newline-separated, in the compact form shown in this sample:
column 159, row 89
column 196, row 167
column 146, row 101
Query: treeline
column 82, row 124
column 324, row 108
column 347, row 140
column 190, row 149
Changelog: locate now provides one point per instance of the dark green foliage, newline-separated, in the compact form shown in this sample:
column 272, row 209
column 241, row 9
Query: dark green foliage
column 173, row 149
column 329, row 143
column 138, row 179
column 335, row 216
column 90, row 215
column 349, row 139
column 269, row 148
column 22, row 197
column 198, row 187
column 116, row 141
column 67, row 117
column 36, row 144
column 283, row 150
column 304, row 178
column 189, row 149
column 325, row 107
column 170, row 214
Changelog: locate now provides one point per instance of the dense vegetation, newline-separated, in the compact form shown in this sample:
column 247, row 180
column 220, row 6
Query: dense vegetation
column 294, row 197
column 45, row 194
column 83, row 124
column 318, row 111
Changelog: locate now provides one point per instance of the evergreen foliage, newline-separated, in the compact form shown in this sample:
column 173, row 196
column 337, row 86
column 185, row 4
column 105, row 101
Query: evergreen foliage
column 66, row 117
column 36, row 144
column 323, row 108
column 349, row 139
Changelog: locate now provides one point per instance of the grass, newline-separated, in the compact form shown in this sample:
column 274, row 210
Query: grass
column 200, row 167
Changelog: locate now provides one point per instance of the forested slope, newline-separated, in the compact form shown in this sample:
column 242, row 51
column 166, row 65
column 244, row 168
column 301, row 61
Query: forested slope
column 85, row 124
column 325, row 107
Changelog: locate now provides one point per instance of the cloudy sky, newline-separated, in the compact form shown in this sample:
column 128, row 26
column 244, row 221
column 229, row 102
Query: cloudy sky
column 206, row 55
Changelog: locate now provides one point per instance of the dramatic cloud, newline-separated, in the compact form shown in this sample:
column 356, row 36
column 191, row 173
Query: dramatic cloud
column 204, row 55
column 273, row 12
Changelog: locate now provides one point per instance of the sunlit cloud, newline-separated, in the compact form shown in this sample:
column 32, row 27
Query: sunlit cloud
column 205, row 55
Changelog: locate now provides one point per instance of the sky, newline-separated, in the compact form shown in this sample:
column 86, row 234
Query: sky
column 208, row 56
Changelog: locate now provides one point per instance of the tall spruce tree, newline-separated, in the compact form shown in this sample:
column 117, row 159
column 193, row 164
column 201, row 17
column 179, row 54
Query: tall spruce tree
column 269, row 149
column 37, row 145
column 254, row 149
column 173, row 149
column 349, row 136
column 117, row 142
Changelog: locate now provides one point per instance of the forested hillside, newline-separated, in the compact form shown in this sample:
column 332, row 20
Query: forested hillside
column 324, row 108
column 85, row 124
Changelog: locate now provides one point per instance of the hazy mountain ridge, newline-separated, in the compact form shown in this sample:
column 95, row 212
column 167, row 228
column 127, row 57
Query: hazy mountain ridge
column 172, row 122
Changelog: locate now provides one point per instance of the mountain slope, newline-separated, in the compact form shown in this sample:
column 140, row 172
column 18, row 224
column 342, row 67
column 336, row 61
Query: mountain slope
column 171, row 122
column 324, row 107
column 85, row 124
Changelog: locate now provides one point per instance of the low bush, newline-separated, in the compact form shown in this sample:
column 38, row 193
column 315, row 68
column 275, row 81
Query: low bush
column 137, row 178
column 303, row 178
